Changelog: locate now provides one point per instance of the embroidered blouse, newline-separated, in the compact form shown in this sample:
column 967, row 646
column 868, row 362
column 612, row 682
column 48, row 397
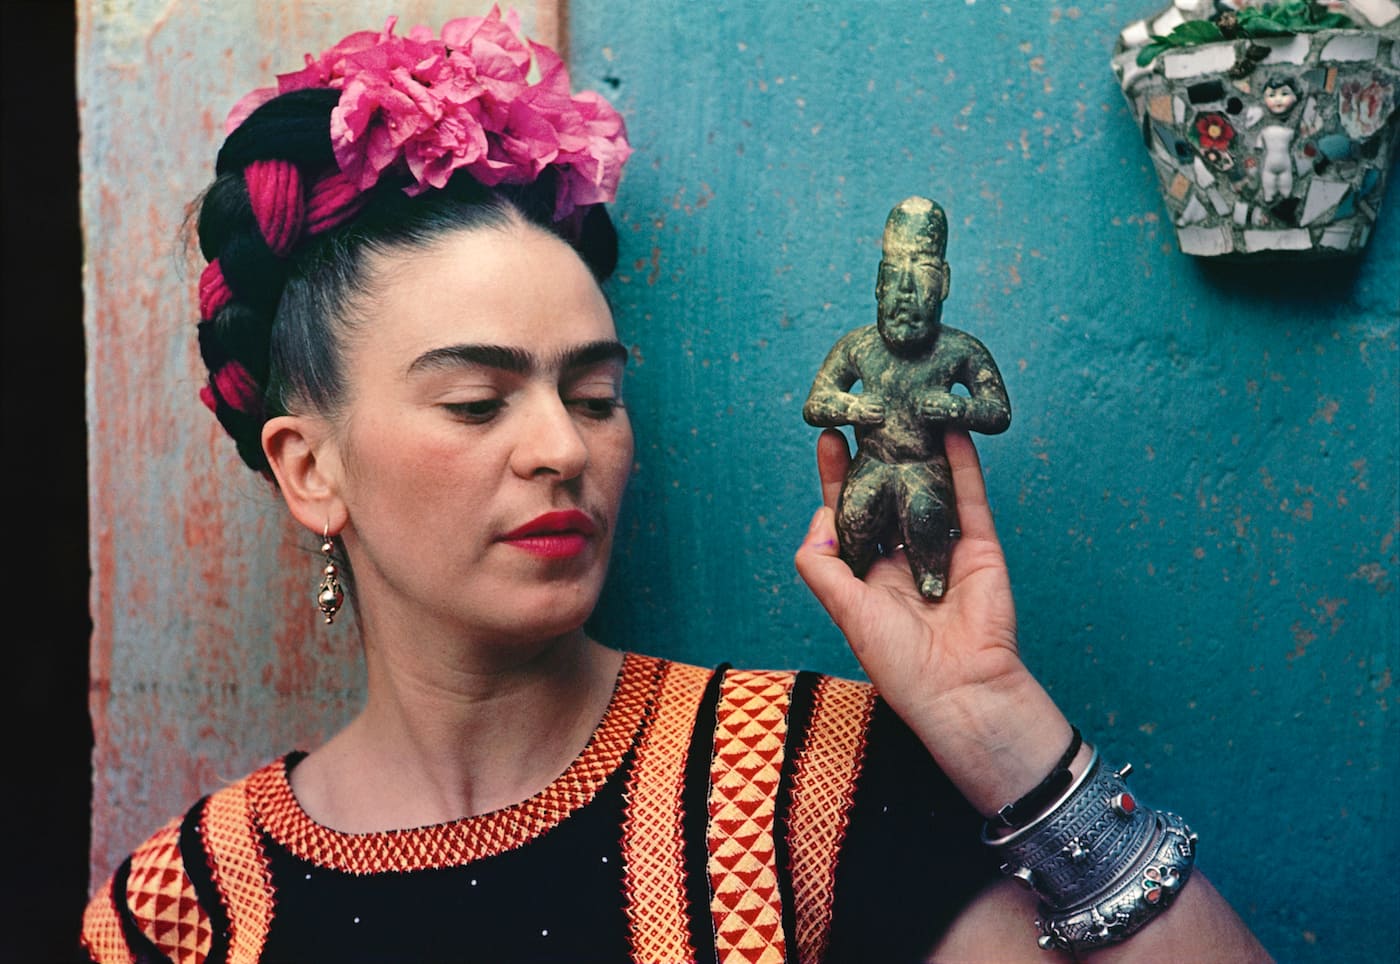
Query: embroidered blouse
column 725, row 815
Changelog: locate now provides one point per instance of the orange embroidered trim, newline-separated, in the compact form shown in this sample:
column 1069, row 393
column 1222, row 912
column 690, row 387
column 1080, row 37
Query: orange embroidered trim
column 472, row 838
column 239, row 867
column 744, row 897
column 102, row 930
column 653, row 848
column 163, row 901
column 823, row 789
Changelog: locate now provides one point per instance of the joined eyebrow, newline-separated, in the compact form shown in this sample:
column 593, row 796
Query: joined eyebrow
column 519, row 361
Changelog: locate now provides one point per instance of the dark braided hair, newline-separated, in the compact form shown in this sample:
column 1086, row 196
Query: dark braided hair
column 286, row 236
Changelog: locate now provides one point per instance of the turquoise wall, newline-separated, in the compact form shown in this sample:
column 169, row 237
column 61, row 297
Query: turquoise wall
column 1198, row 492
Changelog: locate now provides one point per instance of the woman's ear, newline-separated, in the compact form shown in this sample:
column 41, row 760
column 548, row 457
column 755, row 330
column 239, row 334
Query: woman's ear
column 304, row 456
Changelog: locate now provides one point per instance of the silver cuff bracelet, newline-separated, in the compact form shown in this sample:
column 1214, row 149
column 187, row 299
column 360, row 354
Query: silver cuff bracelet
column 1102, row 864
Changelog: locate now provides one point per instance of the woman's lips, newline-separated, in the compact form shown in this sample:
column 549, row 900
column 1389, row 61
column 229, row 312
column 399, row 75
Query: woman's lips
column 554, row 535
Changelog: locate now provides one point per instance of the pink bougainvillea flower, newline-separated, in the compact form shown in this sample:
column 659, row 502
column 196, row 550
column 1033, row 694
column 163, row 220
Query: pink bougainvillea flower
column 591, row 159
column 328, row 70
column 493, row 42
column 423, row 108
column 378, row 113
column 248, row 103
column 1214, row 132
column 454, row 142
column 521, row 149
column 500, row 59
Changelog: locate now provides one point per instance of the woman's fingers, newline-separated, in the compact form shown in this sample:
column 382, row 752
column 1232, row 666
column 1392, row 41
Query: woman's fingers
column 822, row 569
column 969, row 488
column 833, row 458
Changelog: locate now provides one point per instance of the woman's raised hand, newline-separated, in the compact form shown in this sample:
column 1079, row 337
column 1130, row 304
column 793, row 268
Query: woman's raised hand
column 949, row 668
column 913, row 649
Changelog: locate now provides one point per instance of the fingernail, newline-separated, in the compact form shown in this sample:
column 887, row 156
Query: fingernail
column 815, row 527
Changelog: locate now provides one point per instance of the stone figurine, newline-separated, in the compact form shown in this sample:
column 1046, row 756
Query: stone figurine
column 898, row 491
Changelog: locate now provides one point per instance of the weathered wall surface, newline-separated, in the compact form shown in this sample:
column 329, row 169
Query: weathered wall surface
column 197, row 672
column 1198, row 493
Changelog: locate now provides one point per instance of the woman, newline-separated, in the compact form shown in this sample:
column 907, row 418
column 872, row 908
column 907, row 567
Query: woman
column 404, row 327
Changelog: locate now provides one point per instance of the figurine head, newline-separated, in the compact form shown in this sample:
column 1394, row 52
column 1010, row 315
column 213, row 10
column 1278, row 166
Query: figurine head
column 913, row 278
column 1280, row 94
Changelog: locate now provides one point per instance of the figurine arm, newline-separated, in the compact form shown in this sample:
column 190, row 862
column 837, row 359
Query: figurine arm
column 985, row 409
column 988, row 410
column 830, row 402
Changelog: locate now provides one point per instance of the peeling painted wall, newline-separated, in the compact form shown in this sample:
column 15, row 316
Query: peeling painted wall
column 197, row 673
column 1198, row 492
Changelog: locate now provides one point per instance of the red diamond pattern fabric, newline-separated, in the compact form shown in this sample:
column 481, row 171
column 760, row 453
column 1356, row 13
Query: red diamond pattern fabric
column 239, row 867
column 745, row 901
column 653, row 848
column 823, row 789
column 163, row 901
column 102, row 930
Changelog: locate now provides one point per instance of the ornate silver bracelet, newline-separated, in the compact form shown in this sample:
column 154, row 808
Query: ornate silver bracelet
column 1103, row 865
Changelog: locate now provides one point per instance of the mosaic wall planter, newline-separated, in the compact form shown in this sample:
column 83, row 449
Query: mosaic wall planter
column 1284, row 154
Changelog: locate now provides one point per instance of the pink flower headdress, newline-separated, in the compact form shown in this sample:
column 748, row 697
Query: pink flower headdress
column 424, row 107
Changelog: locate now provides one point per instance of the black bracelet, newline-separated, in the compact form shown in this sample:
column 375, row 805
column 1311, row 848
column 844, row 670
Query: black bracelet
column 1018, row 814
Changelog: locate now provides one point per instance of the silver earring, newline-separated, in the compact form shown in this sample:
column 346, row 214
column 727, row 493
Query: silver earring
column 330, row 596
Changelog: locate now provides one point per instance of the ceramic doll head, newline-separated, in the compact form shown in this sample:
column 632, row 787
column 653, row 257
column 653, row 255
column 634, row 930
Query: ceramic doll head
column 1280, row 94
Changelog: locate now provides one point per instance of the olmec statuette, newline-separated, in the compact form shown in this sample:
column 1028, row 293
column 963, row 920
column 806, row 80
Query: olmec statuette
column 899, row 489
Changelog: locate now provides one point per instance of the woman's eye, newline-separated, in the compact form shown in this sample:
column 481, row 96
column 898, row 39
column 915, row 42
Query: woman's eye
column 599, row 408
column 476, row 411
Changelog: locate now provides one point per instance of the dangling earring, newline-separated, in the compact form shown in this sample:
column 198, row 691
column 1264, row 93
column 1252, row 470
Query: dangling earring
column 329, row 597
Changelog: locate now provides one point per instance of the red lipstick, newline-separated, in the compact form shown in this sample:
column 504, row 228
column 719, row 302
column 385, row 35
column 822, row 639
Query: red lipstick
column 554, row 535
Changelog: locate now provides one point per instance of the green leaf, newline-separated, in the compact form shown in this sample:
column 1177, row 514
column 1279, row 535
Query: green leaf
column 1196, row 32
column 1263, row 26
column 1295, row 16
column 1267, row 20
column 1149, row 53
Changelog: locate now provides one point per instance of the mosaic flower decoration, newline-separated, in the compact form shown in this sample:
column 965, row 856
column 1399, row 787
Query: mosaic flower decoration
column 426, row 107
column 1214, row 133
column 1218, row 159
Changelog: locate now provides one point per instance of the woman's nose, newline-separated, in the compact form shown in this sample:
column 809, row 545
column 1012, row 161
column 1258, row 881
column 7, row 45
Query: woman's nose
column 550, row 442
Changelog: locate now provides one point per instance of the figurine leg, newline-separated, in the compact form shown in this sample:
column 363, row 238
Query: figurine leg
column 927, row 514
column 864, row 511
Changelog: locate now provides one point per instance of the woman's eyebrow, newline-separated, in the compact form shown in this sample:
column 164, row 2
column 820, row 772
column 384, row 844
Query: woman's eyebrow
column 518, row 361
column 592, row 353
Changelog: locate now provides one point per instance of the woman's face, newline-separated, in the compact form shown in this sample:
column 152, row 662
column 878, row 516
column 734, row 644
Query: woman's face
column 483, row 450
